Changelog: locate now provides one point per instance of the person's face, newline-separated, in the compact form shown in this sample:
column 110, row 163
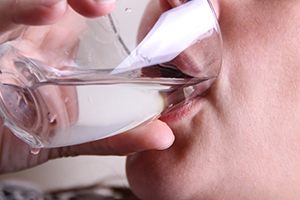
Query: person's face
column 241, row 140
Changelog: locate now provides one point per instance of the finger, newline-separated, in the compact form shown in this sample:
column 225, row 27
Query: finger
column 92, row 8
column 33, row 12
column 154, row 136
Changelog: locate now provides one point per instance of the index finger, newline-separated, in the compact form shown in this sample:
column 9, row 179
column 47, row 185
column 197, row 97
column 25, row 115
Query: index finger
column 44, row 12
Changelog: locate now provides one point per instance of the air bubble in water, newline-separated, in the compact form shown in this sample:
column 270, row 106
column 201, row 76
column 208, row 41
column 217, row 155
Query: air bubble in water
column 52, row 118
column 35, row 151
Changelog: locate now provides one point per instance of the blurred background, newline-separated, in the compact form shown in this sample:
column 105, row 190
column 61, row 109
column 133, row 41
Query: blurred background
column 66, row 173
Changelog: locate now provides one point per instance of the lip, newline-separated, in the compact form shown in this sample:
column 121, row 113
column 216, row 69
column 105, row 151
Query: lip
column 180, row 113
column 193, row 104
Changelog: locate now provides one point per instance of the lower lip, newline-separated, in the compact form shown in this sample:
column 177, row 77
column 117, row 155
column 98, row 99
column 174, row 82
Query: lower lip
column 179, row 114
column 196, row 99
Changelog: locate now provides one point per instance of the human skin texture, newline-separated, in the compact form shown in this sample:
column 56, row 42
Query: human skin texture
column 241, row 140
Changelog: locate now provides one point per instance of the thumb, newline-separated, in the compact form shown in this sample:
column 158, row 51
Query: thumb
column 154, row 136
column 30, row 12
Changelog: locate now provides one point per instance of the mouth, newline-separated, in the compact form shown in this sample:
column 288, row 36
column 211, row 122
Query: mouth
column 198, row 81
column 178, row 114
column 202, row 62
column 191, row 105
column 185, row 88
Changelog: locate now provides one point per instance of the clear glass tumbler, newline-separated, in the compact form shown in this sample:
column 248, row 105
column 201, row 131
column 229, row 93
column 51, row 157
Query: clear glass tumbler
column 93, row 78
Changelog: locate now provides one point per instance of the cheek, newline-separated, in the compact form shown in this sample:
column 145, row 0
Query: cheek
column 158, row 175
column 187, row 170
column 243, row 143
column 257, row 118
column 237, row 144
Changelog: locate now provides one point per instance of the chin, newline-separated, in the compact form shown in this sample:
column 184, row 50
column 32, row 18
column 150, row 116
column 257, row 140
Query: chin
column 152, row 176
column 181, row 171
column 146, row 178
column 162, row 175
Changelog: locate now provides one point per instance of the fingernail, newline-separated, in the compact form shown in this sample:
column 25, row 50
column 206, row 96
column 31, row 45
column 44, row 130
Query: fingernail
column 104, row 1
column 53, row 3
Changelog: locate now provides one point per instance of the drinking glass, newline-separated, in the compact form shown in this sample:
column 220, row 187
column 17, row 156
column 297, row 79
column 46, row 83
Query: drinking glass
column 89, row 79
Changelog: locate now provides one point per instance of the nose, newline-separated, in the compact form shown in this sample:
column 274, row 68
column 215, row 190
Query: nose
column 203, row 58
column 168, row 4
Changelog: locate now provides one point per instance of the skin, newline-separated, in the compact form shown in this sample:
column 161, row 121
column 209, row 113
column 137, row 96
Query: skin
column 240, row 141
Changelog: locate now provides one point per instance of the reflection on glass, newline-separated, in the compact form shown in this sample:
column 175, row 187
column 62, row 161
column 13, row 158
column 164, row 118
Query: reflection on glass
column 98, row 81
